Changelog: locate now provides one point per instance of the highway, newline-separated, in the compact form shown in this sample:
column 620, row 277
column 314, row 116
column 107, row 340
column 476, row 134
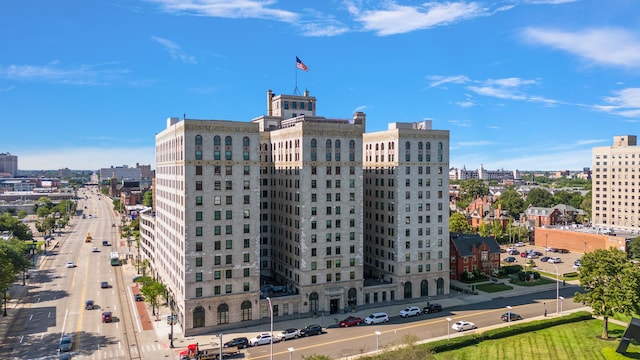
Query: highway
column 56, row 302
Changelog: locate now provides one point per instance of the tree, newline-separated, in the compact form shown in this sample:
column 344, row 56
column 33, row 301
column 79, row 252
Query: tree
column 152, row 291
column 586, row 204
column 15, row 226
column 472, row 189
column 611, row 283
column 7, row 276
column 484, row 230
column 539, row 197
column 496, row 229
column 458, row 223
column 512, row 202
column 634, row 247
column 147, row 198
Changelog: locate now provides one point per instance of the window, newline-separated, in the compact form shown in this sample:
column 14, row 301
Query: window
column 198, row 200
column 199, row 292
column 247, row 243
column 228, row 288
column 198, row 261
column 198, row 169
column 246, row 257
column 198, row 185
column 198, row 277
column 217, row 275
column 198, row 215
column 199, row 246
column 198, row 230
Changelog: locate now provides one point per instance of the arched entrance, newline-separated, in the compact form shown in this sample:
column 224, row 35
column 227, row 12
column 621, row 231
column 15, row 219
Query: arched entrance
column 246, row 310
column 314, row 301
column 424, row 288
column 407, row 290
column 352, row 297
column 223, row 314
column 199, row 317
column 440, row 286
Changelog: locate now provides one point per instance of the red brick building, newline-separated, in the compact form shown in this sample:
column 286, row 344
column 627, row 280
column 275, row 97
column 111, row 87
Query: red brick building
column 473, row 252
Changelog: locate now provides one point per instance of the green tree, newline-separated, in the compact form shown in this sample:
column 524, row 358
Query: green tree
column 147, row 198
column 472, row 189
column 496, row 229
column 586, row 204
column 7, row 276
column 15, row 226
column 484, row 230
column 539, row 197
column 611, row 285
column 153, row 291
column 512, row 202
column 458, row 223
column 634, row 247
column 561, row 197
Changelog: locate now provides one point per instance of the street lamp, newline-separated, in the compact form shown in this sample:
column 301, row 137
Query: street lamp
column 171, row 320
column 220, row 336
column 448, row 328
column 271, row 315
column 561, row 298
column 377, row 341
column 509, row 315
column 290, row 353
column 557, row 286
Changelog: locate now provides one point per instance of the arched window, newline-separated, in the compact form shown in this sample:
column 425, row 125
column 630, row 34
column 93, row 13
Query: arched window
column 227, row 147
column 246, row 310
column 328, row 150
column 245, row 148
column 352, row 297
column 199, row 317
column 198, row 140
column 216, row 147
column 313, row 301
column 407, row 151
column 424, row 288
column 198, row 147
column 352, row 150
column 407, row 290
column 223, row 314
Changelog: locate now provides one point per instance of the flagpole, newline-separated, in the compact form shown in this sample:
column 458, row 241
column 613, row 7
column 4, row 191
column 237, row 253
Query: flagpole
column 295, row 90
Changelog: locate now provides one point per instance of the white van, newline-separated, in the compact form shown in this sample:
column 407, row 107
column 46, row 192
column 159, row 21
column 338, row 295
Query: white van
column 376, row 318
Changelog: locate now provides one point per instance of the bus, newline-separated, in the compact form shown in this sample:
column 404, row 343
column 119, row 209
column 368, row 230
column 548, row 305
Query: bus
column 114, row 259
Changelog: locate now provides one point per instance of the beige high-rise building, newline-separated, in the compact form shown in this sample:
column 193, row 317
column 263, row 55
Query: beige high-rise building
column 280, row 207
column 406, row 211
column 615, row 202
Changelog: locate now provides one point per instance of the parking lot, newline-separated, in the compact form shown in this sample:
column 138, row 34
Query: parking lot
column 565, row 266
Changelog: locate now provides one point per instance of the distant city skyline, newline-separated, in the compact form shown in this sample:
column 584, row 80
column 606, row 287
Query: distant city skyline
column 521, row 85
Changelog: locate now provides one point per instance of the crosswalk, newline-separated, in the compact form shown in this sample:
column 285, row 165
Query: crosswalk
column 145, row 352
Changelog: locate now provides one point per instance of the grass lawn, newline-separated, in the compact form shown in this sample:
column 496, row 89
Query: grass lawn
column 493, row 287
column 570, row 341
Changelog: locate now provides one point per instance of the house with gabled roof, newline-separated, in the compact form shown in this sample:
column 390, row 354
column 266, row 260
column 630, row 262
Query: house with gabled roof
column 469, row 252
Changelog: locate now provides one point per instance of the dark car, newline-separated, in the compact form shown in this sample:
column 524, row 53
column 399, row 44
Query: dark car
column 239, row 342
column 432, row 308
column 545, row 258
column 66, row 343
column 509, row 259
column 138, row 297
column 563, row 251
column 351, row 321
column 514, row 317
column 107, row 317
column 104, row 285
column 89, row 304
column 310, row 330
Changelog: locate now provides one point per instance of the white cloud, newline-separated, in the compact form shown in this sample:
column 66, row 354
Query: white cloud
column 174, row 50
column 98, row 74
column 235, row 9
column 548, row 2
column 605, row 46
column 397, row 19
column 460, row 123
column 626, row 103
column 437, row 80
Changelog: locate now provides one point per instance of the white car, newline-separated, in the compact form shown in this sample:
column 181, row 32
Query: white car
column 376, row 318
column 70, row 264
column 410, row 311
column 287, row 334
column 261, row 339
column 554, row 260
column 463, row 325
column 519, row 244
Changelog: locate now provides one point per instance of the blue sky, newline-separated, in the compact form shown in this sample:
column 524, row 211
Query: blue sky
column 521, row 84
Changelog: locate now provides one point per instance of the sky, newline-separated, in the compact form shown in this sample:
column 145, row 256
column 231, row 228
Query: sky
column 520, row 84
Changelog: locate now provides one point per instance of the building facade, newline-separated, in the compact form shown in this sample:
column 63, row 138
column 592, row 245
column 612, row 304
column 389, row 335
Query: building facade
column 616, row 170
column 8, row 165
column 299, row 202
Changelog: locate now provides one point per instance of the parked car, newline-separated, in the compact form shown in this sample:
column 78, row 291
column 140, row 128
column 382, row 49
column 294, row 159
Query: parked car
column 89, row 304
column 138, row 297
column 104, row 285
column 576, row 264
column 532, row 256
column 376, row 318
column 261, row 339
column 554, row 260
column 463, row 325
column 509, row 259
column 545, row 258
column 431, row 308
column 410, row 311
column 514, row 316
column 514, row 252
column 519, row 244
column 66, row 343
column 351, row 321
column 107, row 317
column 105, row 243
column 239, row 342
column 95, row 249
column 70, row 264
column 524, row 254
column 309, row 330
column 287, row 334
column 535, row 252
column 563, row 251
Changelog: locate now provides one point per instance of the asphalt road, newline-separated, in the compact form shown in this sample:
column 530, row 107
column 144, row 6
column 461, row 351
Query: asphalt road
column 343, row 342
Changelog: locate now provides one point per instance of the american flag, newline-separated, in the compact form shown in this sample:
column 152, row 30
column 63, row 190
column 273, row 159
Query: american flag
column 300, row 65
